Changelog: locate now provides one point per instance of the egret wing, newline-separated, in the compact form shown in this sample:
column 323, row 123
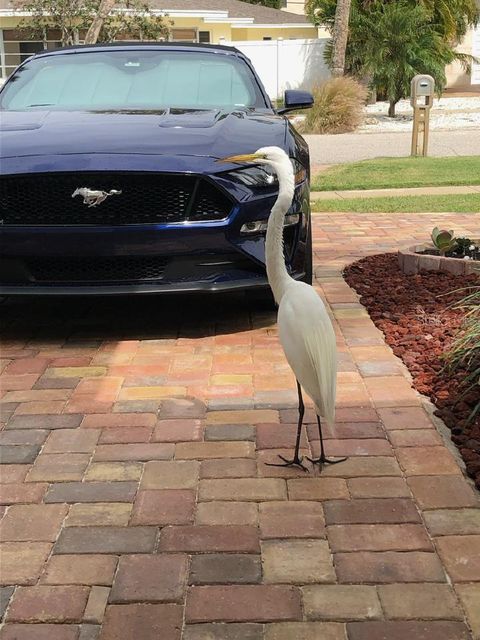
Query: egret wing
column 308, row 340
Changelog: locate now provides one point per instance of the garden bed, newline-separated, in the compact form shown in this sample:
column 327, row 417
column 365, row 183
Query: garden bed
column 415, row 313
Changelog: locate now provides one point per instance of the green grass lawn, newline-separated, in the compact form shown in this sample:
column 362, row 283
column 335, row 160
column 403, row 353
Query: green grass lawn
column 468, row 203
column 384, row 173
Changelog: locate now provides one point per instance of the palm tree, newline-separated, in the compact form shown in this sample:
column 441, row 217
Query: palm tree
column 450, row 19
column 453, row 17
column 340, row 36
column 399, row 43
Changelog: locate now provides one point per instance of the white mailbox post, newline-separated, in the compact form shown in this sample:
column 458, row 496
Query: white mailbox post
column 422, row 92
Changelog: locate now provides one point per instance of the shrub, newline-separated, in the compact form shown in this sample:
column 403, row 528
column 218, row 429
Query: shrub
column 464, row 353
column 338, row 106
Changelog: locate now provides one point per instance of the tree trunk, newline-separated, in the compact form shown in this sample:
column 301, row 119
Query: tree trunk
column 97, row 23
column 391, row 108
column 367, row 82
column 340, row 36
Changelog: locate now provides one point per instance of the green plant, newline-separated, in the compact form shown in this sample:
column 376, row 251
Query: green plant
column 274, row 4
column 464, row 352
column 468, row 248
column 443, row 240
column 463, row 244
column 389, row 42
column 135, row 20
column 400, row 42
column 132, row 18
column 451, row 18
column 338, row 106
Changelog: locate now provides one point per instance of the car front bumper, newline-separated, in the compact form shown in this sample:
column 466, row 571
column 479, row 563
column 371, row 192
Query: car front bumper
column 208, row 256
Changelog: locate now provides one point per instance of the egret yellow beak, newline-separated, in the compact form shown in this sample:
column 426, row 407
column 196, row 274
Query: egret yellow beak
column 246, row 157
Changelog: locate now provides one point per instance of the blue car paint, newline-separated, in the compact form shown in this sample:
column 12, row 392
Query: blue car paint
column 58, row 132
column 176, row 141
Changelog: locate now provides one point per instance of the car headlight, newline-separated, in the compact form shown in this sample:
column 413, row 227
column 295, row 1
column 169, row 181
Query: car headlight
column 264, row 176
column 255, row 176
column 299, row 171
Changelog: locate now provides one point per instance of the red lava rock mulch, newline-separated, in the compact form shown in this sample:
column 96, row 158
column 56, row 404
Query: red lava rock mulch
column 415, row 315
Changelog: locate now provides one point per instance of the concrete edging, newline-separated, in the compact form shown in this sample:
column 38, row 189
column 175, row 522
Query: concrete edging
column 411, row 262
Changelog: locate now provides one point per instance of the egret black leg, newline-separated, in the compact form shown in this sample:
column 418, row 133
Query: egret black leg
column 296, row 460
column 323, row 459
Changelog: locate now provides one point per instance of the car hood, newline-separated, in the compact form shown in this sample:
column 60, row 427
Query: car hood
column 171, row 132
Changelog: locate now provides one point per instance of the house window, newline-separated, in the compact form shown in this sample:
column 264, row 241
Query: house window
column 204, row 36
column 184, row 35
column 16, row 48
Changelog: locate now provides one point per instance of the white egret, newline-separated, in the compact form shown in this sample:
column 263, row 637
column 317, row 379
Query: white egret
column 305, row 330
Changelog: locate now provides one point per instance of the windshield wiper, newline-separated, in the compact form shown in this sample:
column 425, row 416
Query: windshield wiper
column 41, row 104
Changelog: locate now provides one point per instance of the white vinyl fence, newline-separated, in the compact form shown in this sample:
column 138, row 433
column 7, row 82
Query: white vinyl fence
column 286, row 64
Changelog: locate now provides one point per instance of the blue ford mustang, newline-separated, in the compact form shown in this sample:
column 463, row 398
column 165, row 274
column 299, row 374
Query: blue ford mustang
column 109, row 174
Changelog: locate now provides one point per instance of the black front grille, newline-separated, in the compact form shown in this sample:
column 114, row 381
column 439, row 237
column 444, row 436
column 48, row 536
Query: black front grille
column 146, row 198
column 112, row 269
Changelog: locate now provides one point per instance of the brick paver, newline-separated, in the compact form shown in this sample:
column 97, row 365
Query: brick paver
column 136, row 498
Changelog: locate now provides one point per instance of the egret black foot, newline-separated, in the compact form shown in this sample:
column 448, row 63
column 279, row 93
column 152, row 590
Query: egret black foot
column 295, row 462
column 322, row 460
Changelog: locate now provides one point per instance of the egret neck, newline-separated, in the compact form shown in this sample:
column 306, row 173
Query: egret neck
column 277, row 273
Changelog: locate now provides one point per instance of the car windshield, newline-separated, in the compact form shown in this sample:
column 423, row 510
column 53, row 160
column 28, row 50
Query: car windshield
column 133, row 80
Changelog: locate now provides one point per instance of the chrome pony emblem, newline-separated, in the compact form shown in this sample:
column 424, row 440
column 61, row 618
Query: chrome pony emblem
column 92, row 197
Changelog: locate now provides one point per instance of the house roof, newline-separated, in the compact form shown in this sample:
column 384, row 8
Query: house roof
column 234, row 11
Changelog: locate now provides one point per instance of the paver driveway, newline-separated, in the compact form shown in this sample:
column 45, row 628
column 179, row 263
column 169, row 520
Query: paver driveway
column 137, row 502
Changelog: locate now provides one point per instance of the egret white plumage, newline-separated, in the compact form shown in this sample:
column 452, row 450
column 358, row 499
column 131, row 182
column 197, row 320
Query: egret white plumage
column 305, row 330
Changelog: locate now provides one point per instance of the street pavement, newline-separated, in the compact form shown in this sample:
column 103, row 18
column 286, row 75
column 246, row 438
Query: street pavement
column 137, row 503
column 350, row 147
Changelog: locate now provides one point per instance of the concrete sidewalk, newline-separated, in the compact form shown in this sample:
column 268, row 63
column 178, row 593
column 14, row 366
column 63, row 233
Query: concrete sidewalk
column 379, row 193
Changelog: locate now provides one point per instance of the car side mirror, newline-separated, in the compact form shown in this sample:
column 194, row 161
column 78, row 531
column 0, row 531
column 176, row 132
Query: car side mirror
column 296, row 100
